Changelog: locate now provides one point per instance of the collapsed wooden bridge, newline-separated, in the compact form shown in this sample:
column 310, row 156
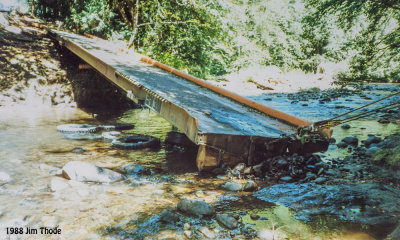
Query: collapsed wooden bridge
column 227, row 127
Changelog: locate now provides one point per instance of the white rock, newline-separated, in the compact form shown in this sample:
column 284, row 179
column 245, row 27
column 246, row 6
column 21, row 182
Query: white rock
column 88, row 172
column 58, row 184
column 266, row 234
column 186, row 226
column 4, row 177
column 207, row 233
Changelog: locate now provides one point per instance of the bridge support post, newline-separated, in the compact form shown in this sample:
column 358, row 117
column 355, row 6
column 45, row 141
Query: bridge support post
column 207, row 158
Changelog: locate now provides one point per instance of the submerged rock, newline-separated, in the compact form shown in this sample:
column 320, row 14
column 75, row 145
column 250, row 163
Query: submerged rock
column 370, row 204
column 135, row 169
column 168, row 217
column 353, row 141
column 88, row 172
column 372, row 139
column 227, row 221
column 371, row 151
column 196, row 207
column 346, row 126
column 4, row 177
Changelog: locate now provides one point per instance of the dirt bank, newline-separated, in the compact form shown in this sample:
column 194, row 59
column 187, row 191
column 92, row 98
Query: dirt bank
column 30, row 66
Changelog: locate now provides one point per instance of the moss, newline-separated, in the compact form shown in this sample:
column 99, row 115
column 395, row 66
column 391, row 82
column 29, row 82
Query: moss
column 388, row 157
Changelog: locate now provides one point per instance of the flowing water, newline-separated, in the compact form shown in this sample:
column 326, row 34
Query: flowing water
column 32, row 151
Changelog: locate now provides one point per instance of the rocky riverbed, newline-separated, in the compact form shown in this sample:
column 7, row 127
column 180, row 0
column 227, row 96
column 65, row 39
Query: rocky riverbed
column 349, row 192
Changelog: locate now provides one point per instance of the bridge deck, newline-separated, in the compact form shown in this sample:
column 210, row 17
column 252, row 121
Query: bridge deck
column 205, row 116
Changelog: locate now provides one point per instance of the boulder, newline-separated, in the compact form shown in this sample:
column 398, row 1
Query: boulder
column 227, row 221
column 371, row 151
column 88, row 172
column 353, row 141
column 232, row 186
column 168, row 217
column 196, row 207
column 372, row 139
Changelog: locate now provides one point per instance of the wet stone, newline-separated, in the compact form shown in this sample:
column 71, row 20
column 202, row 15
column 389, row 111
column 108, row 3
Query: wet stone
column 254, row 216
column 232, row 186
column 243, row 213
column 345, row 126
column 371, row 151
column 78, row 150
column 282, row 162
column 227, row 221
column 168, row 217
column 372, row 139
column 88, row 172
column 240, row 167
column 286, row 179
column 320, row 180
column 135, row 169
column 342, row 145
column 343, row 200
column 310, row 176
column 384, row 121
column 196, row 207
column 235, row 172
column 353, row 141
column 250, row 186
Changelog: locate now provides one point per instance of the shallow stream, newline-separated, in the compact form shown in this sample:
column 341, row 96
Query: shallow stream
column 31, row 152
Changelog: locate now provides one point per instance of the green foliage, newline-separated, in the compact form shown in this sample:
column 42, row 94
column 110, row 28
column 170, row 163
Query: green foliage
column 181, row 35
column 265, row 33
column 373, row 35
column 93, row 17
column 214, row 37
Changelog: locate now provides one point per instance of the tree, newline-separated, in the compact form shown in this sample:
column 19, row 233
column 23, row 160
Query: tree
column 374, row 48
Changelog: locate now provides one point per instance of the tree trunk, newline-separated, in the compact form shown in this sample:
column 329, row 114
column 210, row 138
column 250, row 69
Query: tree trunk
column 131, row 43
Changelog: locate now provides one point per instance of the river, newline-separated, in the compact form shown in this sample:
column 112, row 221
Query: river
column 32, row 151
